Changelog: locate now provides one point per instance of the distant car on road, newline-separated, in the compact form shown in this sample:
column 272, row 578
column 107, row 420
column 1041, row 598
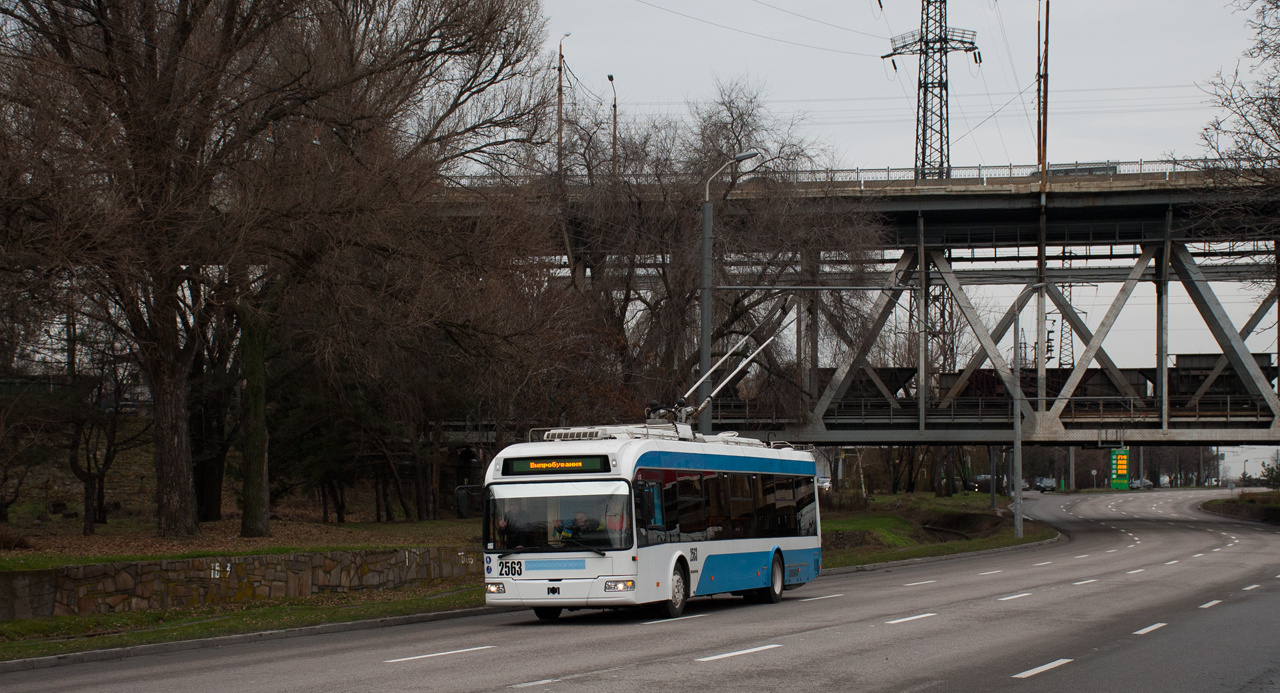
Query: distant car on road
column 1140, row 483
column 824, row 483
column 1045, row 483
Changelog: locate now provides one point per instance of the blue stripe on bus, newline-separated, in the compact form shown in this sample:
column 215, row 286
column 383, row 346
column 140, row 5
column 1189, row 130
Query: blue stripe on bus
column 556, row 564
column 730, row 572
column 666, row 459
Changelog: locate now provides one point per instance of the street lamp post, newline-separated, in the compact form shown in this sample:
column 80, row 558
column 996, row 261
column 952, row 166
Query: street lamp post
column 704, row 360
column 615, row 125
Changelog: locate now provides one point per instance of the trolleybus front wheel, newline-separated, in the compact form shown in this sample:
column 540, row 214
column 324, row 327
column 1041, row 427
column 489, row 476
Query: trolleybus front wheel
column 547, row 613
column 674, row 607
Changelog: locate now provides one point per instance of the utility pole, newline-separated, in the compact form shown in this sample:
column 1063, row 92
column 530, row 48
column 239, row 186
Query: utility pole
column 933, row 42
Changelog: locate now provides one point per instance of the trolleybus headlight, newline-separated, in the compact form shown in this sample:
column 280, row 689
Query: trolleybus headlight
column 495, row 588
column 619, row 585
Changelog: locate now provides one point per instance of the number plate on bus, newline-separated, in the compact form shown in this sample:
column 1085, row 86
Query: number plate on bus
column 510, row 568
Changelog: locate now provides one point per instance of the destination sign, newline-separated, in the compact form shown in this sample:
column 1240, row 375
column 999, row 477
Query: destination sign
column 593, row 464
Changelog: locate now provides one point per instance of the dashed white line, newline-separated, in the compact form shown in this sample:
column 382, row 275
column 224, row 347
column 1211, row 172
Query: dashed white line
column 922, row 582
column 1170, row 562
column 685, row 618
column 1041, row 669
column 1251, row 587
column 812, row 599
column 1112, row 550
column 438, row 654
column 1084, row 582
column 1139, row 570
column 713, row 658
column 1148, row 629
column 1197, row 555
column 1211, row 604
column 909, row 618
column 993, row 572
column 1217, row 549
column 1083, row 556
column 1045, row 563
column 1014, row 596
column 533, row 683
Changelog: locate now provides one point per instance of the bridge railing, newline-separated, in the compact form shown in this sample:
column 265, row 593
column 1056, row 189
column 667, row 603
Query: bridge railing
column 1142, row 169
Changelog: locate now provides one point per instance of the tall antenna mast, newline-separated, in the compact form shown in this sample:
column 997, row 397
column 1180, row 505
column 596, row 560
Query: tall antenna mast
column 933, row 42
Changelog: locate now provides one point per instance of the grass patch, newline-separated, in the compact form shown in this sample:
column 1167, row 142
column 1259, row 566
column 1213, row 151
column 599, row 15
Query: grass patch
column 57, row 545
column 864, row 555
column 41, row 637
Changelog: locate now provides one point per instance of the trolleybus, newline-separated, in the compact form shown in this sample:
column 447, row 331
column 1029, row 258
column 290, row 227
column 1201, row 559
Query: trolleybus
column 616, row 516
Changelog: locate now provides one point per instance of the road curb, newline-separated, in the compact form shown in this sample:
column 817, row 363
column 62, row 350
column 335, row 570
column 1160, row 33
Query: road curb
column 844, row 570
column 179, row 645
column 368, row 624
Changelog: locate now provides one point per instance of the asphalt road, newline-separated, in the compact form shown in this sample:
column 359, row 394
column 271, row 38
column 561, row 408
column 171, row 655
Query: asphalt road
column 1146, row 594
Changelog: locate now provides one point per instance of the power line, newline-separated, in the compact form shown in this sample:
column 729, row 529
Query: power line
column 819, row 21
column 750, row 33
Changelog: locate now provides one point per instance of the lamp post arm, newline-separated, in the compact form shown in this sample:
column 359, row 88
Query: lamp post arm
column 707, row 196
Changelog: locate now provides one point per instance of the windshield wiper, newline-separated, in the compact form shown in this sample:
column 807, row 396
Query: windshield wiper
column 523, row 549
column 575, row 542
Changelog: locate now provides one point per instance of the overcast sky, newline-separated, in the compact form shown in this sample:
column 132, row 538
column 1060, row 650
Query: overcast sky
column 1127, row 77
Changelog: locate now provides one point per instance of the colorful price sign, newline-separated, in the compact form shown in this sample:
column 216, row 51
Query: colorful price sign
column 1120, row 468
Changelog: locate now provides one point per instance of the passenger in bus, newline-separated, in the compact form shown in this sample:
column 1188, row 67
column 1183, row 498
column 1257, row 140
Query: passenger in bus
column 581, row 524
column 615, row 516
column 514, row 526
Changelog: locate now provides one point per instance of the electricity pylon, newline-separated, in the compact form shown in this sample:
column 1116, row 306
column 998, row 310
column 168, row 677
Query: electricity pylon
column 933, row 42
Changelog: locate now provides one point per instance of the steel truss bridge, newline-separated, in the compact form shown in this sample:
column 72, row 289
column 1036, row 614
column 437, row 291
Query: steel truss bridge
column 1116, row 224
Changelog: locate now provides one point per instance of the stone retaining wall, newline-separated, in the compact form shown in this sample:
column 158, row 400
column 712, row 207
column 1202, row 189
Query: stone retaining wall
column 111, row 587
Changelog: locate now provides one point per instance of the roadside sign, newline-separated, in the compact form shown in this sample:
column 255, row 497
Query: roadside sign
column 1120, row 468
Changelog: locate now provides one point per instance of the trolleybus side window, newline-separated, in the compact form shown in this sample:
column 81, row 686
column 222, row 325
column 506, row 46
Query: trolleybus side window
column 806, row 507
column 742, row 506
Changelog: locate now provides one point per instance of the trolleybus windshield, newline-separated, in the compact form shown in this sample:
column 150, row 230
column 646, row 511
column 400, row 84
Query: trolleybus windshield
column 558, row 516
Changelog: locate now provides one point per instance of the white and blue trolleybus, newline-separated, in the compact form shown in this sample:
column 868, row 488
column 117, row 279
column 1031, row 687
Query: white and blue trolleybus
column 615, row 516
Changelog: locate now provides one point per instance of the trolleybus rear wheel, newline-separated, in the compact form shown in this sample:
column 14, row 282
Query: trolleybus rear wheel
column 773, row 593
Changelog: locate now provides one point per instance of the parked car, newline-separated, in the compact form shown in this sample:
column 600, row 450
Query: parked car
column 1140, row 483
column 824, row 483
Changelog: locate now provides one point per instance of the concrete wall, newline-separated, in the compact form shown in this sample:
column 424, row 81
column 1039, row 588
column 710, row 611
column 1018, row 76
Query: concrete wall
column 111, row 587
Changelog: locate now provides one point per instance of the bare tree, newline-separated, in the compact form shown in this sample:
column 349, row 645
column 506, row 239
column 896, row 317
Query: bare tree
column 143, row 128
column 1244, row 145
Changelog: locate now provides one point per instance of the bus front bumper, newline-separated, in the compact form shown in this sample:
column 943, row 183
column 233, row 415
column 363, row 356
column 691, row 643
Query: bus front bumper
column 604, row 591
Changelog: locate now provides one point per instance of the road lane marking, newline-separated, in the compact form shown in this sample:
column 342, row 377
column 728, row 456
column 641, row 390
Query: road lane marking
column 1045, row 563
column 1084, row 582
column 713, row 658
column 909, row 618
column 683, row 618
column 1112, row 550
column 534, row 683
column 1170, row 562
column 1251, row 587
column 438, row 654
column 922, row 582
column 1014, row 596
column 1148, row 629
column 1130, row 546
column 814, row 599
column 1197, row 555
column 993, row 572
column 1042, row 668
column 1083, row 556
column 1139, row 570
column 1217, row 549
column 1213, row 603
